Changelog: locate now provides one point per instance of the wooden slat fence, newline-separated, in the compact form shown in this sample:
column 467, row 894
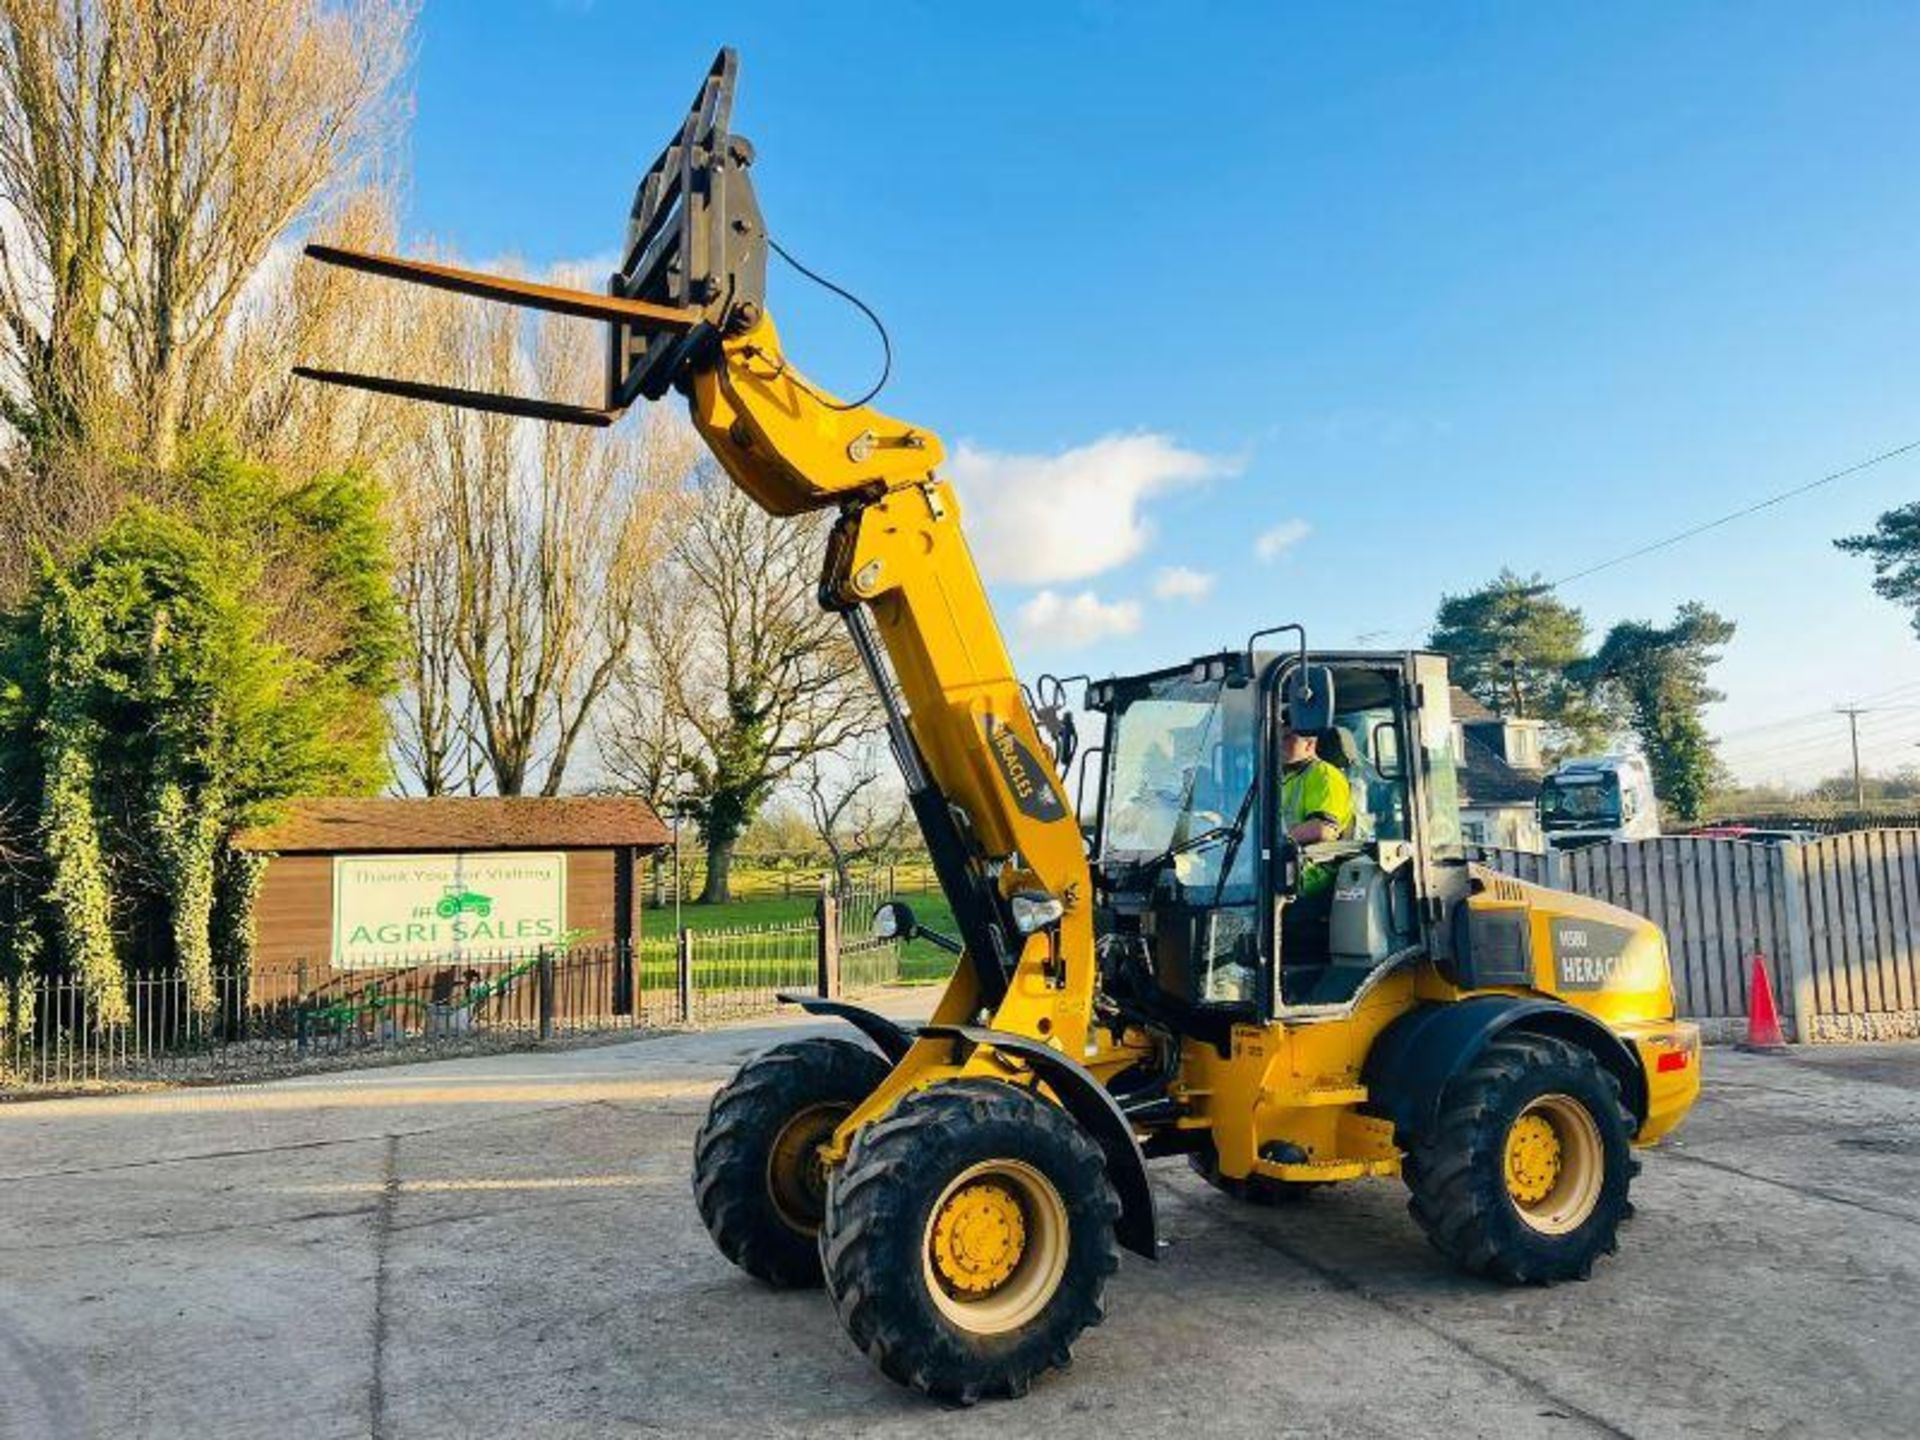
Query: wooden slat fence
column 1533, row 866
column 1838, row 920
column 1862, row 897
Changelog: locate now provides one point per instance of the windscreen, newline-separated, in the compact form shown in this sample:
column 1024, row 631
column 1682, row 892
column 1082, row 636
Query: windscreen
column 1181, row 762
column 1586, row 804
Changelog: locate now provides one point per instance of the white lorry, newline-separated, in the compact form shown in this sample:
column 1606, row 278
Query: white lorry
column 1599, row 799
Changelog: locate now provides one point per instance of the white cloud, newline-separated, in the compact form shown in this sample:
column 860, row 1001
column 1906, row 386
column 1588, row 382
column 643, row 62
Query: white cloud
column 1278, row 540
column 1070, row 621
column 1177, row 582
column 1041, row 519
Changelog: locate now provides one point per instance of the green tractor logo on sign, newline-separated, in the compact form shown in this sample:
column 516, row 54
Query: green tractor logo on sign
column 458, row 900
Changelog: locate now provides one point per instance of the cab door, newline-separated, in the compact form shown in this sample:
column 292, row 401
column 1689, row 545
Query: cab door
column 1435, row 793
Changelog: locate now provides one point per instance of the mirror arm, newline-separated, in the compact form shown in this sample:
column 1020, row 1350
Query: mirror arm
column 1299, row 631
column 937, row 940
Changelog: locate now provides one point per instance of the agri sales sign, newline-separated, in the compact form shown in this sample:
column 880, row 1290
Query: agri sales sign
column 395, row 910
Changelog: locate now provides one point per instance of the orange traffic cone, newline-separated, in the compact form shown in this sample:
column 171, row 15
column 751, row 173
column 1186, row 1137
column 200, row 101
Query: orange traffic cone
column 1763, row 1019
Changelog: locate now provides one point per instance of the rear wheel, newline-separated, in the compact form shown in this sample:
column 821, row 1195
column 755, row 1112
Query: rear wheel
column 1525, row 1176
column 757, row 1177
column 968, row 1239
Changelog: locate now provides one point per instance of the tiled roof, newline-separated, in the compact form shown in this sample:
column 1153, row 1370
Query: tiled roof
column 571, row 822
column 1486, row 779
column 1466, row 708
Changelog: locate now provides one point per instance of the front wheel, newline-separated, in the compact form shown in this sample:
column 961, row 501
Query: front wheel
column 757, row 1177
column 968, row 1239
column 1525, row 1176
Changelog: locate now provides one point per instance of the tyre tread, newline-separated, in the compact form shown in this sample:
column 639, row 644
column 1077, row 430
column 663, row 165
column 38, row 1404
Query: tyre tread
column 729, row 1186
column 1453, row 1172
column 864, row 1200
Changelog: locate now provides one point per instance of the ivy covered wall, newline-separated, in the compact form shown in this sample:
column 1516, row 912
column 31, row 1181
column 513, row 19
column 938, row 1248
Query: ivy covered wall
column 167, row 684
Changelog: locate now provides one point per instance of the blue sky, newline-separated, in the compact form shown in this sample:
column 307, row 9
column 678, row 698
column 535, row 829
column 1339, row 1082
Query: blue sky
column 1415, row 292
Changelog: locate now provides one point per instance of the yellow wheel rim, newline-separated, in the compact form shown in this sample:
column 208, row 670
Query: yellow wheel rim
column 996, row 1246
column 978, row 1238
column 1554, row 1164
column 796, row 1179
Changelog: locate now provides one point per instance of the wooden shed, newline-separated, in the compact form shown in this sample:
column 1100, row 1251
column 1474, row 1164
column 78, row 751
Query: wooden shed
column 356, row 886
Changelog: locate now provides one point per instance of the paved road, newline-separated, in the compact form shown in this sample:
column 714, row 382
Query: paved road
column 507, row 1246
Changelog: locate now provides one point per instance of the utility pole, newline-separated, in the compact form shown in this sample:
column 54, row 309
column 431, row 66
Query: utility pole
column 1853, row 714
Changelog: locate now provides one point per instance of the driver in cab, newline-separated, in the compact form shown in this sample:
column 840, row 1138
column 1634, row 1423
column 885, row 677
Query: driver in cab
column 1316, row 805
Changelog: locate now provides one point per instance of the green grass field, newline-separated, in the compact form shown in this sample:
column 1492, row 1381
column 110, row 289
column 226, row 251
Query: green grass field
column 920, row 962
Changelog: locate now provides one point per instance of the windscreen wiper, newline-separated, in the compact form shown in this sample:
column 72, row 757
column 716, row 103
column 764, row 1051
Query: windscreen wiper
column 1143, row 871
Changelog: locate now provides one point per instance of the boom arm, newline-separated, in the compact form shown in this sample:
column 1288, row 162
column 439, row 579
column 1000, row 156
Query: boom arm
column 986, row 795
column 687, row 311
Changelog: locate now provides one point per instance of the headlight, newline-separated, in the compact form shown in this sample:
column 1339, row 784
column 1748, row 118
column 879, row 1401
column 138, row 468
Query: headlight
column 1035, row 910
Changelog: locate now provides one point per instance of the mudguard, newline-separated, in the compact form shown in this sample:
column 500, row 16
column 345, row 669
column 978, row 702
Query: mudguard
column 893, row 1040
column 1098, row 1113
column 1417, row 1055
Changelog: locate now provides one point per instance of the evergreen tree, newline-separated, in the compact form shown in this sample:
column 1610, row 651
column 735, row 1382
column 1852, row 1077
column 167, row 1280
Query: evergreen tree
column 150, row 707
column 1658, row 678
column 1512, row 645
column 1894, row 547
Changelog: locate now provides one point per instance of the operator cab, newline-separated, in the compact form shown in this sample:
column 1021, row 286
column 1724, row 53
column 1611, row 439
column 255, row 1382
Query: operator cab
column 1210, row 914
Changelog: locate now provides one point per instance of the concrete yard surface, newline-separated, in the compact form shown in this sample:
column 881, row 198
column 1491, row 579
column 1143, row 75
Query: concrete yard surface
column 507, row 1246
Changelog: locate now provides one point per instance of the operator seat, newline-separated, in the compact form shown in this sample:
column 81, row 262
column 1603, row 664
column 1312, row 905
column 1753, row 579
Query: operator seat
column 1338, row 748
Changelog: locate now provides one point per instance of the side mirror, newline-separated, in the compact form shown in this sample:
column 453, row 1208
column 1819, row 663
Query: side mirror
column 894, row 921
column 1307, row 693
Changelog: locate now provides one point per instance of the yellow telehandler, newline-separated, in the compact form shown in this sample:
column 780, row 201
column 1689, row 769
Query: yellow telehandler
column 1191, row 972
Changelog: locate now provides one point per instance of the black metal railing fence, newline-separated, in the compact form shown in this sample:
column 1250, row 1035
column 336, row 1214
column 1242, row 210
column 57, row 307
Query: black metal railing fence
column 55, row 1032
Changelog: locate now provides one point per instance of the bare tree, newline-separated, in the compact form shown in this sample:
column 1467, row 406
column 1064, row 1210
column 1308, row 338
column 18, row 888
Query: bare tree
column 152, row 152
column 542, row 536
column 642, row 743
column 300, row 311
column 744, row 676
column 857, row 817
column 66, row 88
column 434, row 723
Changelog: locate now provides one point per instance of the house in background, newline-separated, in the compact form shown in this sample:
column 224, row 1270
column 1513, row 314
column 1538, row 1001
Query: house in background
column 1501, row 769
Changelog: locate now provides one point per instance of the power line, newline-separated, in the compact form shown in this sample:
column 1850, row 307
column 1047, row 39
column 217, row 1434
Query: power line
column 1884, row 718
column 1829, row 749
column 1652, row 547
column 1893, row 749
column 1896, row 717
column 1690, row 532
column 1811, row 715
column 1826, row 763
column 1817, row 744
column 1740, row 514
column 1761, row 743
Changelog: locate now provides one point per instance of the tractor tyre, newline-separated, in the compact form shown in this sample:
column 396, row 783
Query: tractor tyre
column 968, row 1239
column 1524, row 1177
column 757, row 1178
column 1261, row 1190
